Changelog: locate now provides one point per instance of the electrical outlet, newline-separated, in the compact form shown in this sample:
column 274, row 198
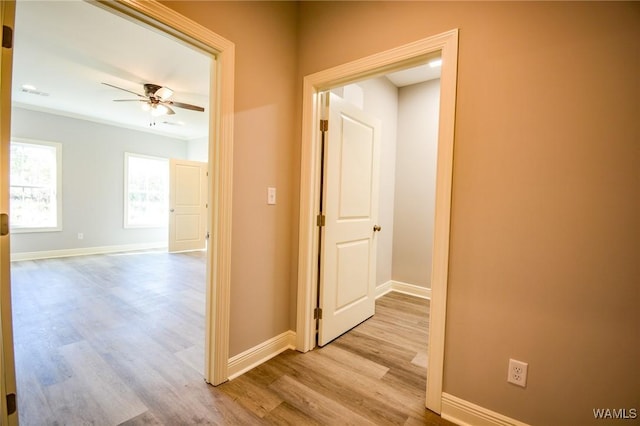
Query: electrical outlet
column 517, row 372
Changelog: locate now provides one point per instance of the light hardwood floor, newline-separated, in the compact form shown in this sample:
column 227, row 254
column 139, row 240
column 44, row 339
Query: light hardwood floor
column 118, row 339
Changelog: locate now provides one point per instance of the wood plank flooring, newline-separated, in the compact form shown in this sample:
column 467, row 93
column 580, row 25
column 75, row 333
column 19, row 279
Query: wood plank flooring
column 118, row 340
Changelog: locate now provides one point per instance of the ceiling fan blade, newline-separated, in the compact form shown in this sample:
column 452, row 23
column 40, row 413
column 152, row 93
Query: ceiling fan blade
column 126, row 90
column 185, row 106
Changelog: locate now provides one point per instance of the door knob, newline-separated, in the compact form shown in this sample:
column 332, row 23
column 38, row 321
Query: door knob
column 377, row 228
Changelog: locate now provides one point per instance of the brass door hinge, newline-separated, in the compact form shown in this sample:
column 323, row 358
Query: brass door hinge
column 321, row 220
column 11, row 403
column 317, row 313
column 7, row 37
column 324, row 125
column 4, row 224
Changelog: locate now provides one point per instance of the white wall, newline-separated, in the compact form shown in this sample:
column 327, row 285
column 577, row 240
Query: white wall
column 92, row 181
column 416, row 151
column 198, row 149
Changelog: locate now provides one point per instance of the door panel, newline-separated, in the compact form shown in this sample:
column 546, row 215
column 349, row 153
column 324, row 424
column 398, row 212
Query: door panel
column 352, row 283
column 187, row 205
column 347, row 282
column 355, row 169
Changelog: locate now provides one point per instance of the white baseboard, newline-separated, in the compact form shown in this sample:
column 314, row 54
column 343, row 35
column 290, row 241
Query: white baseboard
column 245, row 361
column 383, row 289
column 465, row 413
column 85, row 251
column 400, row 287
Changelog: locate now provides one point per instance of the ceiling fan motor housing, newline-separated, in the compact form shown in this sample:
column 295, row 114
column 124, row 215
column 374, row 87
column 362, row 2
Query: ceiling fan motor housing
column 151, row 89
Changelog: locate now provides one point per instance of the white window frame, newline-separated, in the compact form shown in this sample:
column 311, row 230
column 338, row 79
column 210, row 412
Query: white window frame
column 128, row 225
column 58, row 190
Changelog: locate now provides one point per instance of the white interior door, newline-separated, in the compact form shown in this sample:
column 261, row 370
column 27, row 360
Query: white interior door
column 187, row 205
column 347, row 289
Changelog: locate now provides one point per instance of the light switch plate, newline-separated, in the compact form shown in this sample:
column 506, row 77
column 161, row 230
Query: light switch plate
column 271, row 195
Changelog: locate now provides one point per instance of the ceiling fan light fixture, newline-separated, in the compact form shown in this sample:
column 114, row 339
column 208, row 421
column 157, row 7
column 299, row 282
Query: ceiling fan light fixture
column 155, row 100
column 163, row 93
column 158, row 110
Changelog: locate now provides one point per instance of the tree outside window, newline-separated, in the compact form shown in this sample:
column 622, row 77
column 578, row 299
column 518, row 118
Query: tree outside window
column 35, row 186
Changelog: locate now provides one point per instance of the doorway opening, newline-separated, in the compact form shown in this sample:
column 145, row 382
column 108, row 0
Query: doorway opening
column 159, row 18
column 109, row 190
column 445, row 46
column 383, row 185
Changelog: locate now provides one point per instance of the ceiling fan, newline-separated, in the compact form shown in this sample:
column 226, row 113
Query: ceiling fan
column 156, row 100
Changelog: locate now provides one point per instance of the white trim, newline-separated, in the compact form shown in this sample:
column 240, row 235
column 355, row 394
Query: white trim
column 7, row 358
column 405, row 288
column 379, row 64
column 245, row 361
column 221, row 109
column 57, row 146
column 86, row 251
column 442, row 220
column 465, row 413
column 383, row 289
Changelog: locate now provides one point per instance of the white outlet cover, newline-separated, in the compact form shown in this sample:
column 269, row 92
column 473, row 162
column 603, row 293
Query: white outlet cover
column 517, row 372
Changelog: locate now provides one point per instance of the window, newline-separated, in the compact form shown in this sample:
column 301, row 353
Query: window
column 35, row 186
column 146, row 191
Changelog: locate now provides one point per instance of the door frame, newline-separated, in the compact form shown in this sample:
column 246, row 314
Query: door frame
column 221, row 110
column 375, row 65
column 7, row 361
column 158, row 17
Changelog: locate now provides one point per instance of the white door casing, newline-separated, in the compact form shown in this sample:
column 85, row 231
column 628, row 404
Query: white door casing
column 347, row 290
column 4, row 413
column 411, row 54
column 7, row 365
column 187, row 205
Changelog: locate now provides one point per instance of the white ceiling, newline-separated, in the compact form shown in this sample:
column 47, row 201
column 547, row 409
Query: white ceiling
column 414, row 75
column 66, row 49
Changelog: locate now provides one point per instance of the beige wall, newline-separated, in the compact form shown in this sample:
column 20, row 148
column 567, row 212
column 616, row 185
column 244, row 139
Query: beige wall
column 545, row 231
column 415, row 182
column 545, row 236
